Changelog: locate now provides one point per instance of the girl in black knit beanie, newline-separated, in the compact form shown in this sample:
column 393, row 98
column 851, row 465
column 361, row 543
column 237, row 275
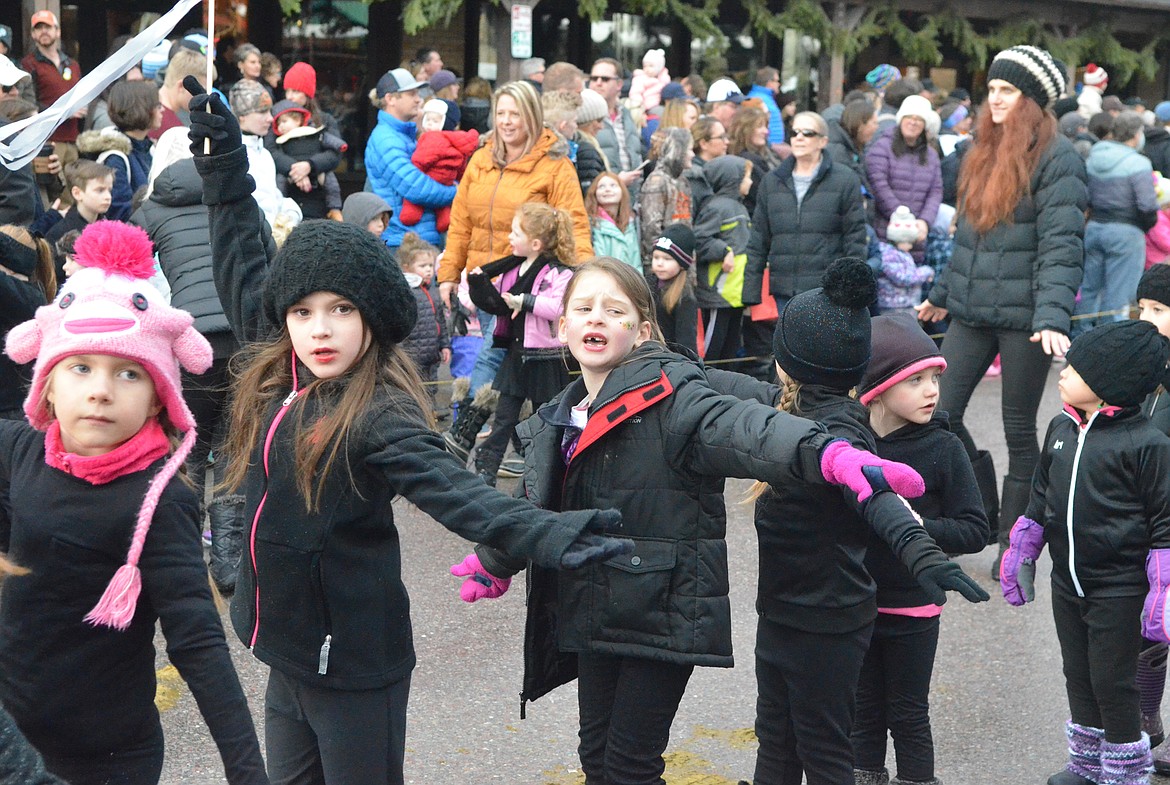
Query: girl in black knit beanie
column 816, row 601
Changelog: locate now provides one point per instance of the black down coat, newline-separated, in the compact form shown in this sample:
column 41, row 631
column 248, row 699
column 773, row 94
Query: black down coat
column 797, row 244
column 1024, row 275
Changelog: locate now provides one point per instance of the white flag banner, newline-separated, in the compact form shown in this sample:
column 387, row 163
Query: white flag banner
column 20, row 142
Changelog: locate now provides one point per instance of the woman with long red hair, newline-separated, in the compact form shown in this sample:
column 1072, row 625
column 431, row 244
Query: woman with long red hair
column 1018, row 260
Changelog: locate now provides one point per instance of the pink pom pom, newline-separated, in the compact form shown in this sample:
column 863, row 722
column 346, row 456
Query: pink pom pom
column 116, row 247
column 116, row 607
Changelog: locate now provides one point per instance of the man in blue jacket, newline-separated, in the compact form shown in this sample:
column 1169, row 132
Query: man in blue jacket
column 766, row 85
column 389, row 171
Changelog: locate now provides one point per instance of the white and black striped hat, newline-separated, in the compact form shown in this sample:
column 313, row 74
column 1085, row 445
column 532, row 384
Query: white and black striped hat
column 1032, row 70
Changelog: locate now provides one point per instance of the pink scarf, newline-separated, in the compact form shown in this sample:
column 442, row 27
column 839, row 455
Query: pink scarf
column 134, row 455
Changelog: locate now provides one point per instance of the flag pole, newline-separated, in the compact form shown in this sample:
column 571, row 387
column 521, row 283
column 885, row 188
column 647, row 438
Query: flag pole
column 210, row 59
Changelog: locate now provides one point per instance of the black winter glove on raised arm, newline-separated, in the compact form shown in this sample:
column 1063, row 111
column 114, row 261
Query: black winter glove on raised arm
column 211, row 120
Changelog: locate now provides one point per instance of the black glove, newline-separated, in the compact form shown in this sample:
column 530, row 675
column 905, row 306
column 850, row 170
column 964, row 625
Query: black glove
column 211, row 120
column 592, row 547
column 938, row 579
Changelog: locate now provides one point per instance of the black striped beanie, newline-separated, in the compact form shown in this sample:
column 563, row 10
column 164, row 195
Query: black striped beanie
column 1033, row 71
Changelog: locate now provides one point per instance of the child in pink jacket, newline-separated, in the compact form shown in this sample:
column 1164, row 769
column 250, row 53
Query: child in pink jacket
column 1158, row 238
column 648, row 81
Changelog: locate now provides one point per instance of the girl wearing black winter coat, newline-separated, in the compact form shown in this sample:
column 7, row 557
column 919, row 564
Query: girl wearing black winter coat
column 1017, row 263
column 817, row 603
column 29, row 280
column 329, row 424
column 900, row 388
column 653, row 434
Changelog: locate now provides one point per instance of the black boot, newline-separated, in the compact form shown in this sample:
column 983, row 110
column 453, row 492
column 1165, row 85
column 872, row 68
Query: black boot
column 1151, row 682
column 487, row 465
column 985, row 478
column 1016, row 494
column 473, row 413
column 227, row 541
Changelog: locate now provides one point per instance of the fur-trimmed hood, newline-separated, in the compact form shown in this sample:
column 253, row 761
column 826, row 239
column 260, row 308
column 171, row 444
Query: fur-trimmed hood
column 93, row 143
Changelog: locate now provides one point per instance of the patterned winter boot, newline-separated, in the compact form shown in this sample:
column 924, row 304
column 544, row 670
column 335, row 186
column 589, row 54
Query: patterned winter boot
column 472, row 416
column 866, row 777
column 1084, row 756
column 1126, row 764
column 900, row 781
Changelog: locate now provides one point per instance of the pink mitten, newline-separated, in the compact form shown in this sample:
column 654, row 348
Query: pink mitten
column 480, row 583
column 864, row 473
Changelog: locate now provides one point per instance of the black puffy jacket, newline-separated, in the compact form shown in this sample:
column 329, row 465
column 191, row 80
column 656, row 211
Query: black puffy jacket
column 660, row 440
column 1102, row 492
column 176, row 220
column 797, row 244
column 1157, row 408
column 1024, row 275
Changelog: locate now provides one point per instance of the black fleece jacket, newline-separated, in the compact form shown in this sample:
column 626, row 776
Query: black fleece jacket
column 320, row 594
column 78, row 689
column 951, row 508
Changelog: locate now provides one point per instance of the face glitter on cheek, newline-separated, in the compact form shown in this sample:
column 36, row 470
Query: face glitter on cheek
column 627, row 325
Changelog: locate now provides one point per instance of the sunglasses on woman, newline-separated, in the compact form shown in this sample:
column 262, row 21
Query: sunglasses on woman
column 807, row 133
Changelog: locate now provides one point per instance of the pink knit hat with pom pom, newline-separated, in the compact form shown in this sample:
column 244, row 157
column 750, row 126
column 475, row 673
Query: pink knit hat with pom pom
column 108, row 307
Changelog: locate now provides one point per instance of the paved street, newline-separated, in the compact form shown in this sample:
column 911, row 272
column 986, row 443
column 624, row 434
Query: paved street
column 998, row 701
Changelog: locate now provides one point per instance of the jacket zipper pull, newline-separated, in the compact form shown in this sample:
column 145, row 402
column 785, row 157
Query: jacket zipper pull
column 323, row 660
column 292, row 396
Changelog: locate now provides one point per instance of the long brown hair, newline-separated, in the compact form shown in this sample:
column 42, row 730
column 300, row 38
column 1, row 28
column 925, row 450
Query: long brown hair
column 262, row 374
column 629, row 282
column 624, row 213
column 675, row 290
column 45, row 273
column 554, row 229
column 997, row 170
column 743, row 125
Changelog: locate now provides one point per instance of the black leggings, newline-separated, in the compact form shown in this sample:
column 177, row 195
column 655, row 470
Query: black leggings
column 206, row 395
column 969, row 351
column 1100, row 638
column 627, row 705
column 807, row 682
column 894, row 694
column 721, row 332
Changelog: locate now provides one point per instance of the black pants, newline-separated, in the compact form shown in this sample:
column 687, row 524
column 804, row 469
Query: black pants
column 206, row 396
column 804, row 713
column 627, row 705
column 721, row 334
column 894, row 694
column 969, row 351
column 315, row 736
column 1099, row 642
column 490, row 453
column 138, row 764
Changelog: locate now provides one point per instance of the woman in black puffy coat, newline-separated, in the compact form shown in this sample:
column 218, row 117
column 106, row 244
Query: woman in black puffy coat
column 1017, row 263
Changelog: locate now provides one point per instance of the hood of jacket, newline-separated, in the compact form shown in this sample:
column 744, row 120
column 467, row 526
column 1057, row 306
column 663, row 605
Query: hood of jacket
column 1113, row 159
column 725, row 174
column 179, row 185
column 93, row 143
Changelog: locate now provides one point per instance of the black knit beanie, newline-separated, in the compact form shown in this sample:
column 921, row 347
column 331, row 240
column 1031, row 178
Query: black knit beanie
column 1033, row 71
column 679, row 241
column 329, row 256
column 1155, row 284
column 1122, row 362
column 901, row 348
column 822, row 335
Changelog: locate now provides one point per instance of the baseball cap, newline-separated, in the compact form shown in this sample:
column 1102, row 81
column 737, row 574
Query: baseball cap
column 443, row 78
column 44, row 17
column 6, row 35
column 724, row 90
column 1162, row 112
column 397, row 80
column 9, row 73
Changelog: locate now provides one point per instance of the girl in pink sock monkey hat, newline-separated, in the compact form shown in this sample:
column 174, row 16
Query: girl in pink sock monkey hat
column 90, row 504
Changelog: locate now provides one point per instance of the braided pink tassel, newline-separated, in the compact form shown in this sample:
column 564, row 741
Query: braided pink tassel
column 120, row 599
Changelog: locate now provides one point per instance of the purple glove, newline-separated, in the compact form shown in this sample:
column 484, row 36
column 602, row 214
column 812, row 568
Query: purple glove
column 1154, row 613
column 1017, row 569
column 480, row 583
column 864, row 473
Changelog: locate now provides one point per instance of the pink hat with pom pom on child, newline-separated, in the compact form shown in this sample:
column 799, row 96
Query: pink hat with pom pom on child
column 108, row 307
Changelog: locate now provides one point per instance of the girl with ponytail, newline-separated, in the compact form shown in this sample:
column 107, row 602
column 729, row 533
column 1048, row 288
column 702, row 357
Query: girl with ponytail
column 526, row 301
